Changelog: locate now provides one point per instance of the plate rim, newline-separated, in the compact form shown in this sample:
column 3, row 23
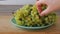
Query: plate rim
column 31, row 27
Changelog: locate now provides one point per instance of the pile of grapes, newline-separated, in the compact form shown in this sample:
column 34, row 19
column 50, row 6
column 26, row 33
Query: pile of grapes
column 28, row 16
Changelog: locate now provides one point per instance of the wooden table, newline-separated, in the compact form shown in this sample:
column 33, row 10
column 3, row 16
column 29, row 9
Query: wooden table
column 6, row 27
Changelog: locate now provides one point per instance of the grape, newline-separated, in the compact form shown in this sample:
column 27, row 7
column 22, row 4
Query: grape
column 28, row 16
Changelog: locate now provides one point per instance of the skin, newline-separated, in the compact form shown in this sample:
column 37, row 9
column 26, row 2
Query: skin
column 51, row 6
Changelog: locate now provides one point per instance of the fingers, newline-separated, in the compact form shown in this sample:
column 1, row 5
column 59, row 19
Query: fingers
column 38, row 5
column 46, row 12
column 40, row 2
column 52, row 5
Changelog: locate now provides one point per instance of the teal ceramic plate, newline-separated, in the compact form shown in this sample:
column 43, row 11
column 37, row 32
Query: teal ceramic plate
column 14, row 23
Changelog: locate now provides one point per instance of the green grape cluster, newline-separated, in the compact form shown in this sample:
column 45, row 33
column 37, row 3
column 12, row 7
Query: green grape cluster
column 28, row 16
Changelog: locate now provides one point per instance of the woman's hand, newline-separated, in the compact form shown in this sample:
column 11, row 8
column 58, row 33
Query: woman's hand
column 51, row 5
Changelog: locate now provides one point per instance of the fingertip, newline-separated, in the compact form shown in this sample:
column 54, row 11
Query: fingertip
column 41, row 14
column 37, row 3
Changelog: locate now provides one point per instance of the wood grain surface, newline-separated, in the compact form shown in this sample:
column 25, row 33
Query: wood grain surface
column 6, row 27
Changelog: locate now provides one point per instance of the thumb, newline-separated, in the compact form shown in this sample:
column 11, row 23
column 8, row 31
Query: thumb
column 46, row 11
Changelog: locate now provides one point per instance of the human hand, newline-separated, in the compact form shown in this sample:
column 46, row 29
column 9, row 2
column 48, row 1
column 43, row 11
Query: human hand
column 51, row 5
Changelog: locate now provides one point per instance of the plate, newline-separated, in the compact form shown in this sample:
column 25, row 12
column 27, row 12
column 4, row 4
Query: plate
column 24, row 27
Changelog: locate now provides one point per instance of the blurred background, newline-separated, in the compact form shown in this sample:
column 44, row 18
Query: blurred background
column 12, row 5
